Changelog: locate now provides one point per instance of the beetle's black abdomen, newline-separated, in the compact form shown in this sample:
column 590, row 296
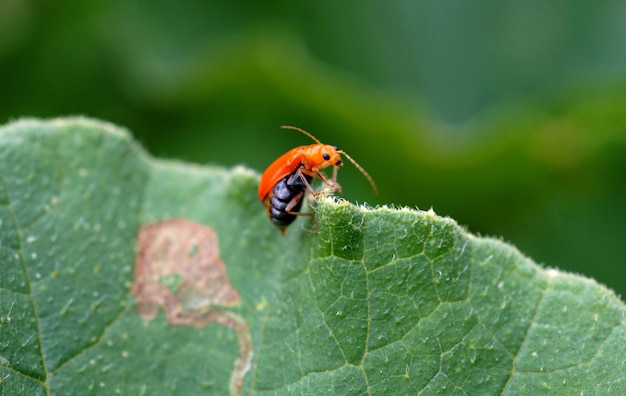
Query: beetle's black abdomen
column 284, row 192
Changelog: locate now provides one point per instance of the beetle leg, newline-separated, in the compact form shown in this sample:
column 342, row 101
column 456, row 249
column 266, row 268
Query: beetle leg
column 307, row 184
column 334, row 179
column 293, row 203
column 332, row 183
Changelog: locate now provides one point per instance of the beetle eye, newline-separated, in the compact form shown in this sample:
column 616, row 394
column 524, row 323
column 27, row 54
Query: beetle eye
column 326, row 156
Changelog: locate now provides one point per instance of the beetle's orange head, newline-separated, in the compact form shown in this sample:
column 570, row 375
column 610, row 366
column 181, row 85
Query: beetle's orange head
column 321, row 156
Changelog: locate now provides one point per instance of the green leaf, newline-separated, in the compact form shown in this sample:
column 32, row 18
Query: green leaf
column 95, row 235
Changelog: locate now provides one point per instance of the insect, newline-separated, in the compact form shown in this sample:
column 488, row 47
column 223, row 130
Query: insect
column 285, row 181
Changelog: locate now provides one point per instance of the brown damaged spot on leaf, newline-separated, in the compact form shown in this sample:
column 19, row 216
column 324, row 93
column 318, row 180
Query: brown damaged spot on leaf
column 178, row 267
column 183, row 252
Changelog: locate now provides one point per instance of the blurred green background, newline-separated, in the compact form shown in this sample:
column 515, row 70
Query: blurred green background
column 508, row 116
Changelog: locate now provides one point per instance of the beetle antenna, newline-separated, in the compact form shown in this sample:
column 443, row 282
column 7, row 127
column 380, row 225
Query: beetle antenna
column 360, row 168
column 302, row 131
